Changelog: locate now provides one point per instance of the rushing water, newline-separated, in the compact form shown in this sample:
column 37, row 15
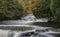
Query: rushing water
column 28, row 22
column 25, row 20
column 42, row 32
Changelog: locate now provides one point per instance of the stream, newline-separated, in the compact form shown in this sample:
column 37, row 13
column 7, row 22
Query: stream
column 29, row 26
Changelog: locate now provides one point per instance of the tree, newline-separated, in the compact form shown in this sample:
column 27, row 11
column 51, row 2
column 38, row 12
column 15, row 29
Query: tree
column 42, row 9
column 11, row 10
column 2, row 8
column 48, row 8
column 28, row 5
column 55, row 8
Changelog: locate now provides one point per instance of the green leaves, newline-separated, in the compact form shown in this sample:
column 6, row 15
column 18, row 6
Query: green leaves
column 42, row 9
column 55, row 8
column 10, row 9
column 48, row 8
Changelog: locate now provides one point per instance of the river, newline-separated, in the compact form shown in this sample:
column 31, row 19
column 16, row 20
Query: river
column 29, row 26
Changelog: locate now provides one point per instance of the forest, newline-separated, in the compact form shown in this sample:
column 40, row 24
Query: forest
column 15, row 9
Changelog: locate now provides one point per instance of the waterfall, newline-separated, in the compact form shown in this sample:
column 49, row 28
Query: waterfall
column 31, row 17
column 16, row 34
column 3, row 33
column 6, row 33
column 38, row 32
column 28, row 19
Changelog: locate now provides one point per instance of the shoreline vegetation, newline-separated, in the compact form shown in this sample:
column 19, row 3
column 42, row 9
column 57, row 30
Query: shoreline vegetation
column 10, row 10
column 48, row 9
column 14, row 10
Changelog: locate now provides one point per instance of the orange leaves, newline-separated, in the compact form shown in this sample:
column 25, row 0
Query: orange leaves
column 31, row 6
column 28, row 5
column 22, row 2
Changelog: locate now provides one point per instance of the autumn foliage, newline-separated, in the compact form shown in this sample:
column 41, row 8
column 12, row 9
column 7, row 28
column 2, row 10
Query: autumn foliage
column 28, row 5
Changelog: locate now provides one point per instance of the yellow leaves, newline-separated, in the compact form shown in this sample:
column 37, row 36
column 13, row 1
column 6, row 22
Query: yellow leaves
column 31, row 6
column 22, row 2
column 28, row 4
